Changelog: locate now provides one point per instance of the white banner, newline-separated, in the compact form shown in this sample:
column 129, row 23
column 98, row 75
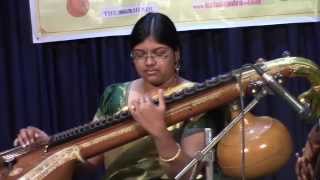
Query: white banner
column 57, row 20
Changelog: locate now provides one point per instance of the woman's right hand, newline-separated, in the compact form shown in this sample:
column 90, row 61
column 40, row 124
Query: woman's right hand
column 149, row 115
column 30, row 135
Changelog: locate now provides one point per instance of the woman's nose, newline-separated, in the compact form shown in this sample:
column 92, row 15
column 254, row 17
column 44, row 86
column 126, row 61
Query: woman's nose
column 149, row 60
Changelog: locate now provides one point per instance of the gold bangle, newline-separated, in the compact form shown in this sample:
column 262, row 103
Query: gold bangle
column 172, row 158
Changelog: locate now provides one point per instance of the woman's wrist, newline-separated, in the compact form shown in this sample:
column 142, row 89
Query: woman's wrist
column 169, row 149
column 162, row 134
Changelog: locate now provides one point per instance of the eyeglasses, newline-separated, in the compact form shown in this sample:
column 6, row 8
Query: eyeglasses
column 158, row 54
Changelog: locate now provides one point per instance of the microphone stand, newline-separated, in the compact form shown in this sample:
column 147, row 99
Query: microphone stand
column 201, row 154
column 210, row 155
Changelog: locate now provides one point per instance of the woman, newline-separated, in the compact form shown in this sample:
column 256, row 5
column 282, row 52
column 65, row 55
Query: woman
column 155, row 50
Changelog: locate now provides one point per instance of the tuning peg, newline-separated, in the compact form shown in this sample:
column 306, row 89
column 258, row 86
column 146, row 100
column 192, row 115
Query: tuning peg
column 260, row 60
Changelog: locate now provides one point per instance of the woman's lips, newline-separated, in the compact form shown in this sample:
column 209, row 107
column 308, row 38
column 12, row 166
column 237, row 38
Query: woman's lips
column 151, row 72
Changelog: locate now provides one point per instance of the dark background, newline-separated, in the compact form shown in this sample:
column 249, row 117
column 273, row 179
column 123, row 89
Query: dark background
column 57, row 85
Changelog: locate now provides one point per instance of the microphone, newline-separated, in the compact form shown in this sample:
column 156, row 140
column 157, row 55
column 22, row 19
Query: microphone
column 302, row 110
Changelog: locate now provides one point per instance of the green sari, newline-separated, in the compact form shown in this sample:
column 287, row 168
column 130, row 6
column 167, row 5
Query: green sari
column 139, row 159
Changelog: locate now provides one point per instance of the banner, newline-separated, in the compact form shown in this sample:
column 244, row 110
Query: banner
column 57, row 20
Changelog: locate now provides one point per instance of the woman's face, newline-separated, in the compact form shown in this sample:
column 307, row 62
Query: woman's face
column 155, row 62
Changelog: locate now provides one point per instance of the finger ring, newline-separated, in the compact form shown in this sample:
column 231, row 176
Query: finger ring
column 133, row 108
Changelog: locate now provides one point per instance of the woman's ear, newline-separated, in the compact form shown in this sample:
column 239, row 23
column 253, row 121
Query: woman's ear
column 177, row 61
column 177, row 56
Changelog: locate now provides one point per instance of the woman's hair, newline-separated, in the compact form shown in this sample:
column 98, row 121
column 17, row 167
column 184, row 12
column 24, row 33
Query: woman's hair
column 158, row 26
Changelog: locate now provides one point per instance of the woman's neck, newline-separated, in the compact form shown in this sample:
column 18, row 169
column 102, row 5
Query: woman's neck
column 151, row 89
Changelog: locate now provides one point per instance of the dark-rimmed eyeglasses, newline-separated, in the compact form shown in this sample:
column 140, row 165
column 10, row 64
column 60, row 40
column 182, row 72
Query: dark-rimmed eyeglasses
column 158, row 54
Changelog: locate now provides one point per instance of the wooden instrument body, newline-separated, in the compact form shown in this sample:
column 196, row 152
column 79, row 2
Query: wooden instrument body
column 268, row 146
column 59, row 161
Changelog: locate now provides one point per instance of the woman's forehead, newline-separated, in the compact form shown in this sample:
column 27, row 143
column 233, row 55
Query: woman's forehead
column 150, row 43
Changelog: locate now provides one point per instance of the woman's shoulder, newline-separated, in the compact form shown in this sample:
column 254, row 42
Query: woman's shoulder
column 116, row 86
column 114, row 97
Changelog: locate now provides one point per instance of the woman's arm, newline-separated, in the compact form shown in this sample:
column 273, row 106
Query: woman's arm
column 168, row 148
column 152, row 118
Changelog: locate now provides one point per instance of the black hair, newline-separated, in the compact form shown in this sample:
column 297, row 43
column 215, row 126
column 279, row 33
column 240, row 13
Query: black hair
column 157, row 25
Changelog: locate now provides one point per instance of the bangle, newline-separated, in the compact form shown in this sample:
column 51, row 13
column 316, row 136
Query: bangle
column 173, row 157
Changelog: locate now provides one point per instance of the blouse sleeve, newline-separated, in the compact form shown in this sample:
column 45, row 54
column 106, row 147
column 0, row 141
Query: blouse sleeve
column 112, row 100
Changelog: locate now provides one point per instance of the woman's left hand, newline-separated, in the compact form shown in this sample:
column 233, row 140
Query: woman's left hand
column 149, row 115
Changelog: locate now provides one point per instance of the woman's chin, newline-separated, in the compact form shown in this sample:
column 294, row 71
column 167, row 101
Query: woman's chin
column 153, row 80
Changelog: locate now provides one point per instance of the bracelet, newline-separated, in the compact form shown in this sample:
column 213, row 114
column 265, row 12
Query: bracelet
column 173, row 157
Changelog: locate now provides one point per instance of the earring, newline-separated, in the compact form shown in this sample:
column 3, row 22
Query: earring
column 177, row 67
